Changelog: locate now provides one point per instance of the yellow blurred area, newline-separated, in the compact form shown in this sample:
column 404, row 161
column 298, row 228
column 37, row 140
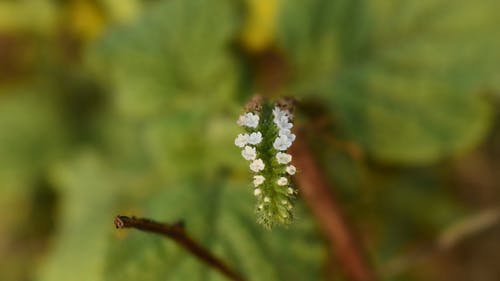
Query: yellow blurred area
column 260, row 25
column 122, row 10
column 87, row 19
column 84, row 19
column 27, row 15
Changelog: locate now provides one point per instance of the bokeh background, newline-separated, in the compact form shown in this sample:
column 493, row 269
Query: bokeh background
column 128, row 107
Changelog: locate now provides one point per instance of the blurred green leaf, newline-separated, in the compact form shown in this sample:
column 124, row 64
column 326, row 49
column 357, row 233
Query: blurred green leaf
column 410, row 207
column 172, row 85
column 87, row 188
column 155, row 65
column 218, row 216
column 32, row 134
column 32, row 138
column 171, row 98
column 38, row 16
column 403, row 77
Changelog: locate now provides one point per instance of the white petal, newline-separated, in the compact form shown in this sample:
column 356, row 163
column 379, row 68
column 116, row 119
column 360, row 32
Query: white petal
column 249, row 120
column 288, row 134
column 291, row 169
column 282, row 143
column 255, row 138
column 257, row 192
column 266, row 199
column 257, row 165
column 282, row 181
column 241, row 140
column 249, row 153
column 258, row 180
column 283, row 158
column 283, row 123
column 284, row 132
column 252, row 120
column 279, row 113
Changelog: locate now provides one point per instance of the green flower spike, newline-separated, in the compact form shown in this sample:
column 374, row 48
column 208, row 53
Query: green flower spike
column 265, row 143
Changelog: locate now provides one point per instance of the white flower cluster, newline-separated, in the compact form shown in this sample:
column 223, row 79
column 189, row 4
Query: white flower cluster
column 248, row 142
column 265, row 145
column 285, row 136
column 284, row 140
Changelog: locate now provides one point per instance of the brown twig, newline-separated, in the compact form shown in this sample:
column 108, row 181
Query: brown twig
column 177, row 233
column 317, row 194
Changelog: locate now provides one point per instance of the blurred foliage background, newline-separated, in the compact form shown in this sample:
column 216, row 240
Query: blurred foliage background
column 128, row 107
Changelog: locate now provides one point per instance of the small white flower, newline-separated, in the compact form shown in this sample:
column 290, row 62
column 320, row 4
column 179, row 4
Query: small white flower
column 283, row 158
column 282, row 181
column 249, row 153
column 248, row 119
column 284, row 216
column 258, row 180
column 287, row 133
column 282, row 143
column 253, row 120
column 260, row 207
column 283, row 123
column 266, row 199
column 284, row 132
column 290, row 190
column 291, row 169
column 284, row 202
column 255, row 138
column 241, row 140
column 257, row 192
column 278, row 113
column 257, row 165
